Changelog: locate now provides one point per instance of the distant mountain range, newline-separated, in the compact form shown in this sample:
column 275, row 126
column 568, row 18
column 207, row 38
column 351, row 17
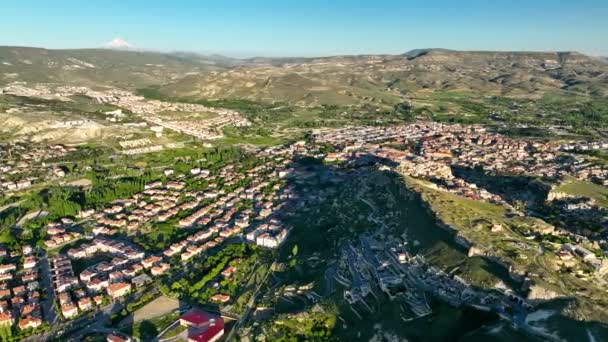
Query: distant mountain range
column 387, row 78
column 116, row 67
column 323, row 80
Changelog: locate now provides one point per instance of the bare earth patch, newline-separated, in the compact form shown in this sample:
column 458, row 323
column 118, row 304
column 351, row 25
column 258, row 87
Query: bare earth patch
column 84, row 182
column 158, row 307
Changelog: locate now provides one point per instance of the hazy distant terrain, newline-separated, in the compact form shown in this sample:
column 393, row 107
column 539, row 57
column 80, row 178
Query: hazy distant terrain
column 331, row 80
column 383, row 78
column 513, row 88
column 94, row 67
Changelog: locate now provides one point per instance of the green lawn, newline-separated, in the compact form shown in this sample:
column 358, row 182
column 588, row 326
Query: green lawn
column 466, row 217
column 175, row 331
column 457, row 210
column 254, row 140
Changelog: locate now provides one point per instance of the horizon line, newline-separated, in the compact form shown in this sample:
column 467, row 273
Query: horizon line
column 271, row 56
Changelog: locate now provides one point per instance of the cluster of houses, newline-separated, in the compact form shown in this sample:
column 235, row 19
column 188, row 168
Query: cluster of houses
column 215, row 213
column 585, row 169
column 116, row 278
column 135, row 143
column 209, row 128
column 157, row 202
column 472, row 146
column 431, row 151
column 270, row 234
column 23, row 164
column 71, row 123
column 495, row 153
column 145, row 149
column 57, row 233
column 353, row 137
column 106, row 245
column 584, row 146
column 568, row 253
column 419, row 167
column 222, row 219
column 20, row 289
column 62, row 276
column 583, row 212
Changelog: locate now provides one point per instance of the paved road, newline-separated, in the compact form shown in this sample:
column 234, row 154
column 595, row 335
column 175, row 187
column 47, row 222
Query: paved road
column 11, row 205
column 50, row 315
column 30, row 216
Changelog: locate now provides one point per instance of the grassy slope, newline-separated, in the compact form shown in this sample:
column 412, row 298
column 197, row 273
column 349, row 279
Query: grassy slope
column 585, row 189
column 461, row 213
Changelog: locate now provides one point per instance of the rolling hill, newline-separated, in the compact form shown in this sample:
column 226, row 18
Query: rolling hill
column 91, row 67
column 386, row 78
column 328, row 80
column 555, row 88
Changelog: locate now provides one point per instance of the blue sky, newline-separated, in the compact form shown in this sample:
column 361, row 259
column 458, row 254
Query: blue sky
column 309, row 27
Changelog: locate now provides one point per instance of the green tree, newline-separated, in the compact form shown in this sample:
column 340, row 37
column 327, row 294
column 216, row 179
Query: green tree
column 6, row 333
column 294, row 250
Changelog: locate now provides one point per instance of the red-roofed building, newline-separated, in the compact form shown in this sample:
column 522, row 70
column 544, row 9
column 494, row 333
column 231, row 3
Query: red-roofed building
column 195, row 319
column 116, row 338
column 118, row 289
column 6, row 318
column 220, row 298
column 30, row 322
column 213, row 332
column 228, row 271
column 206, row 327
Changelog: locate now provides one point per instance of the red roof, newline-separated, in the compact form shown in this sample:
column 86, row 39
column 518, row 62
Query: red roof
column 215, row 328
column 115, row 338
column 196, row 318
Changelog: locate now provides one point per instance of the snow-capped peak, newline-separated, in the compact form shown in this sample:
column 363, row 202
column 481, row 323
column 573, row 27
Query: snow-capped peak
column 119, row 44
